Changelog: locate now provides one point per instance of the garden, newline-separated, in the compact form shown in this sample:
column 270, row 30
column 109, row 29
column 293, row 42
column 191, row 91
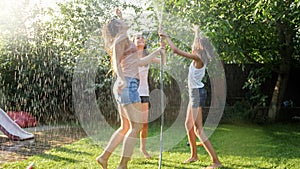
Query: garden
column 239, row 146
column 56, row 93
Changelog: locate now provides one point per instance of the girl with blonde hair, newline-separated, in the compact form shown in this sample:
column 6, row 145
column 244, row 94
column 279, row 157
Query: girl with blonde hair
column 125, row 63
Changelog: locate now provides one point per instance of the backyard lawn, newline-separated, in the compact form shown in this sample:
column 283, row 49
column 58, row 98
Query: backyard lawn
column 238, row 146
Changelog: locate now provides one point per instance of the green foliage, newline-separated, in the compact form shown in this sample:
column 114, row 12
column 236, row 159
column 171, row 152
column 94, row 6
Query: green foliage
column 245, row 31
column 255, row 83
column 37, row 61
column 152, row 39
column 239, row 112
column 39, row 55
column 249, row 32
column 242, row 31
column 32, row 77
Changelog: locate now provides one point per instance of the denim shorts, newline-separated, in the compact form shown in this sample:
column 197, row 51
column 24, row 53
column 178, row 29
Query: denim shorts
column 145, row 99
column 130, row 93
column 197, row 97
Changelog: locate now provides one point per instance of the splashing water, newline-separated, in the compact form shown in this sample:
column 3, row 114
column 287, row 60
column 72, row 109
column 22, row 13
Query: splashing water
column 89, row 100
column 100, row 130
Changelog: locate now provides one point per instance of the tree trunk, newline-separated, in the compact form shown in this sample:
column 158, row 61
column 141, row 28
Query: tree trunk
column 286, row 51
column 278, row 95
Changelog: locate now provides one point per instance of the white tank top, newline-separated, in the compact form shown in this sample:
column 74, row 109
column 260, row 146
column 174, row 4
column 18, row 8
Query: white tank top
column 144, row 86
column 195, row 76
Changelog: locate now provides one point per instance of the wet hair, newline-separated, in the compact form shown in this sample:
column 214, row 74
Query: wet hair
column 114, row 27
column 205, row 47
column 110, row 32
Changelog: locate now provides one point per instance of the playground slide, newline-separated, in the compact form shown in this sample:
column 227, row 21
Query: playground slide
column 12, row 129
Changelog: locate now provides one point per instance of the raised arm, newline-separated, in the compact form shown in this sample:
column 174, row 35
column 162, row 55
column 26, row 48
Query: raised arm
column 118, row 50
column 149, row 58
column 162, row 53
column 196, row 28
column 158, row 60
column 119, row 13
column 178, row 51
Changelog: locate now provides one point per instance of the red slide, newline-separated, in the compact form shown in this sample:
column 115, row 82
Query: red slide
column 12, row 129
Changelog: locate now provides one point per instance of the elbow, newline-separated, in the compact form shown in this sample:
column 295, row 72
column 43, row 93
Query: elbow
column 175, row 50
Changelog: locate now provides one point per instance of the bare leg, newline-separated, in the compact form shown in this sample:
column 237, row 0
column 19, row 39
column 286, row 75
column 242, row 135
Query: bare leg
column 135, row 117
column 189, row 125
column 123, row 163
column 144, row 132
column 115, row 140
column 206, row 143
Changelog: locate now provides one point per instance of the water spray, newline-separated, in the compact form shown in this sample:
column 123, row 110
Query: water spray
column 163, row 55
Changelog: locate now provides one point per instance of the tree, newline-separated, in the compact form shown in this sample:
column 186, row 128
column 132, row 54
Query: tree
column 39, row 51
column 254, row 31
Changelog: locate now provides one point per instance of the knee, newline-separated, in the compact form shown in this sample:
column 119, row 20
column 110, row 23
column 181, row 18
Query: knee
column 201, row 135
column 137, row 127
column 124, row 129
column 188, row 125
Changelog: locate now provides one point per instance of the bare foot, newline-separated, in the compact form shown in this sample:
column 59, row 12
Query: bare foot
column 123, row 163
column 146, row 154
column 102, row 162
column 191, row 159
column 214, row 166
column 122, row 167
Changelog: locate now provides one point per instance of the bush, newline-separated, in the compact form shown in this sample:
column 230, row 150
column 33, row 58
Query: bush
column 239, row 112
column 33, row 80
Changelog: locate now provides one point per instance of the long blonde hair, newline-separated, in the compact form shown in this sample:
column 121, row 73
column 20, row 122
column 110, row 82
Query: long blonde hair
column 111, row 34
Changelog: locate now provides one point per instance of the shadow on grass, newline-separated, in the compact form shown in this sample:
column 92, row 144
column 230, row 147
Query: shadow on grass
column 284, row 138
column 67, row 152
column 270, row 141
column 233, row 166
column 57, row 158
column 249, row 146
column 73, row 152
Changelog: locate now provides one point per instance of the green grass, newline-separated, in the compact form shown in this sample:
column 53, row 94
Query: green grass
column 238, row 147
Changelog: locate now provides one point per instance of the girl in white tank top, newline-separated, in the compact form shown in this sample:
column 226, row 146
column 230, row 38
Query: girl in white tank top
column 200, row 54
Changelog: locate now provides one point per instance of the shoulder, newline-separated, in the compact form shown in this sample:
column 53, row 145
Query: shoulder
column 121, row 40
column 197, row 58
column 198, row 62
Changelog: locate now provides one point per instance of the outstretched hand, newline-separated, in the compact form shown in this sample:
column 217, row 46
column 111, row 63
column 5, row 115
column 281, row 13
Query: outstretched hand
column 162, row 44
column 119, row 13
column 196, row 27
column 161, row 32
column 163, row 35
column 121, row 85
